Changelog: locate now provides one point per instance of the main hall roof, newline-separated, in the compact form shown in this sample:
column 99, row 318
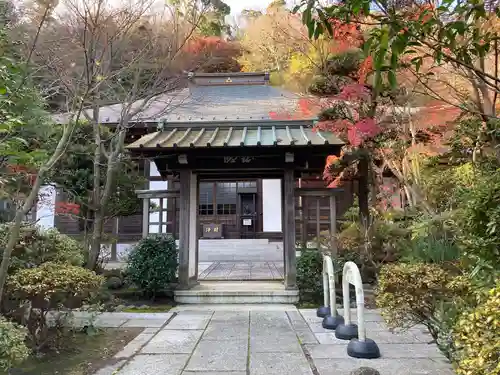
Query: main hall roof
column 211, row 97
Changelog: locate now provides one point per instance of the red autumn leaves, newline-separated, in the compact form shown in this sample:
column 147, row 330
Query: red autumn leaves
column 67, row 208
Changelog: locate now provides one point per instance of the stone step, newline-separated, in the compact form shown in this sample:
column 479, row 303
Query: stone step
column 237, row 292
column 235, row 242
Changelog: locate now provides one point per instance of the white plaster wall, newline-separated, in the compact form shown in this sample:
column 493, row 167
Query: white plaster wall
column 155, row 185
column 271, row 205
column 45, row 208
column 153, row 171
column 193, row 208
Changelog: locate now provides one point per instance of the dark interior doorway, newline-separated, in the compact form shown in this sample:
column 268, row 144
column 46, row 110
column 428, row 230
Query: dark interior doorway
column 248, row 214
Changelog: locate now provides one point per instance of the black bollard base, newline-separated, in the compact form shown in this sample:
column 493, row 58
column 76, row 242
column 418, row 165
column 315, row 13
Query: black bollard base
column 367, row 349
column 323, row 311
column 346, row 332
column 331, row 322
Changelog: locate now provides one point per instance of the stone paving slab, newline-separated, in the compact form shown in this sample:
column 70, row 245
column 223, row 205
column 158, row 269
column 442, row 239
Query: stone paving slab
column 173, row 342
column 165, row 364
column 133, row 346
column 219, row 356
column 138, row 323
column 279, row 364
column 275, row 343
column 231, row 316
column 306, row 336
column 110, row 369
column 329, row 351
column 380, row 337
column 389, row 367
column 221, row 331
column 240, row 270
column 189, row 322
column 214, row 373
column 267, row 340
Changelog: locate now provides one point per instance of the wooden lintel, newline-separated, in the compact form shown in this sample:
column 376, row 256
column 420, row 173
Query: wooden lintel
column 151, row 194
column 317, row 192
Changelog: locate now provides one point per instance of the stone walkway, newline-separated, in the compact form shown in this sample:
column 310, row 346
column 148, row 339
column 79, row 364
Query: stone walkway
column 260, row 340
column 240, row 270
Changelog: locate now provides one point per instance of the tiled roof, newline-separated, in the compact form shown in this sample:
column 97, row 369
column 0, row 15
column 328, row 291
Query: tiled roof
column 208, row 103
column 286, row 134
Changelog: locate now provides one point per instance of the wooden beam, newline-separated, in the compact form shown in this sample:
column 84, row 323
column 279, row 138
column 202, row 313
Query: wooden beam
column 185, row 189
column 289, row 230
column 158, row 193
column 145, row 217
column 317, row 192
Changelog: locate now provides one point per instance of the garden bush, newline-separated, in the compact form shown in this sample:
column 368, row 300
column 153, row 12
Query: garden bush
column 13, row 350
column 428, row 294
column 38, row 246
column 431, row 250
column 479, row 220
column 152, row 264
column 383, row 242
column 48, row 285
column 477, row 338
column 310, row 276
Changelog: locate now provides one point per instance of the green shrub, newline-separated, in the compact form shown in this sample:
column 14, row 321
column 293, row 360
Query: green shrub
column 431, row 250
column 38, row 246
column 114, row 282
column 383, row 241
column 428, row 294
column 48, row 285
column 477, row 337
column 152, row 263
column 13, row 350
column 479, row 221
column 310, row 276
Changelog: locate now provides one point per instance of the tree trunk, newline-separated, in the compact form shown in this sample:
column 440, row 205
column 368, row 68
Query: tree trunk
column 112, row 163
column 363, row 192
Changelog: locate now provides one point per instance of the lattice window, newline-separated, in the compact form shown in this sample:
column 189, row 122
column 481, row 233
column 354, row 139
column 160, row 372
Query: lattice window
column 206, row 206
column 226, row 198
column 158, row 215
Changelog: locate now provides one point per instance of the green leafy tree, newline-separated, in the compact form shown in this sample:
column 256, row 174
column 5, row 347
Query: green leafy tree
column 14, row 114
column 74, row 175
column 208, row 16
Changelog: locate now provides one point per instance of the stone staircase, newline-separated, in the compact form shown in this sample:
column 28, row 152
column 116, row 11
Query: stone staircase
column 237, row 292
column 246, row 259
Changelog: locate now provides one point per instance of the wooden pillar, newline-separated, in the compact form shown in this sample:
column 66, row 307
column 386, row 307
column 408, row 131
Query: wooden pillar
column 193, row 228
column 145, row 201
column 145, row 217
column 318, row 222
column 289, row 230
column 283, row 225
column 184, row 216
column 333, row 224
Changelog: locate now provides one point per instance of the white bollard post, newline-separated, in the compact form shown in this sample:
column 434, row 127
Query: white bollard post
column 324, row 310
column 332, row 320
column 359, row 346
